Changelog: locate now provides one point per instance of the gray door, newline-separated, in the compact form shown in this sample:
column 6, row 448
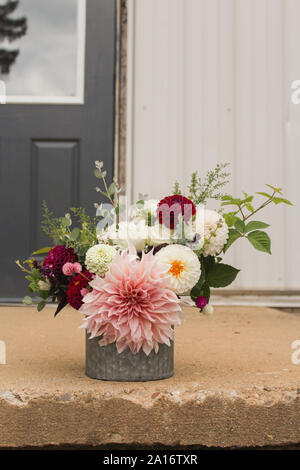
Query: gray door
column 53, row 128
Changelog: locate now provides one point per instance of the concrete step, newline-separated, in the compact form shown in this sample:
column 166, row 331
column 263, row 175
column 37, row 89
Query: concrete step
column 235, row 384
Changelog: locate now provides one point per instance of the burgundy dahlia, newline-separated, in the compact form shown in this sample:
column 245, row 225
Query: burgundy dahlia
column 79, row 282
column 57, row 257
column 170, row 207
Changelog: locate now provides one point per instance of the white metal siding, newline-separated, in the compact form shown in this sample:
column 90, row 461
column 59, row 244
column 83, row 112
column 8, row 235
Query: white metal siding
column 210, row 82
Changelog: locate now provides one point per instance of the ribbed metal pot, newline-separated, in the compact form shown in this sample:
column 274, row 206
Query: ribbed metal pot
column 105, row 363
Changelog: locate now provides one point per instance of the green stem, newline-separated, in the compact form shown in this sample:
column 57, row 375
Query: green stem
column 107, row 193
column 85, row 277
column 262, row 206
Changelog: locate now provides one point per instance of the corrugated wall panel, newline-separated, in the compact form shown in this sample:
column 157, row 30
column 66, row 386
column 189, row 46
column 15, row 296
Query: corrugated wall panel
column 212, row 84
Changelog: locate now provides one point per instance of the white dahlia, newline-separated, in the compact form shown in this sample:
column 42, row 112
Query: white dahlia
column 99, row 257
column 184, row 267
column 158, row 234
column 134, row 232
column 215, row 233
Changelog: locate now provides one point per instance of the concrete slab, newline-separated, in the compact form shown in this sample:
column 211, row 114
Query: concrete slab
column 234, row 384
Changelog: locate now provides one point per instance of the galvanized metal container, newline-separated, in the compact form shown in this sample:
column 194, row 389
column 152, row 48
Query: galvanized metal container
column 105, row 363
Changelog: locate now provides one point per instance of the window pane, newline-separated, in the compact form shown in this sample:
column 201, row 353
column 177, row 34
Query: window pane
column 46, row 64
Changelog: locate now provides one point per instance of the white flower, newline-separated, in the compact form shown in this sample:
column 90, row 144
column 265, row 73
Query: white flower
column 215, row 233
column 208, row 309
column 158, row 234
column 98, row 258
column 44, row 285
column 194, row 239
column 184, row 267
column 135, row 233
column 146, row 211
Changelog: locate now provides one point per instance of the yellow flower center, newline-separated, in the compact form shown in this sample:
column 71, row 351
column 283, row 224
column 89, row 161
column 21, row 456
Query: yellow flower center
column 176, row 268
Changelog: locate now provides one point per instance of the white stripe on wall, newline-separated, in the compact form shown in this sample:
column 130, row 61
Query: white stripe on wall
column 209, row 81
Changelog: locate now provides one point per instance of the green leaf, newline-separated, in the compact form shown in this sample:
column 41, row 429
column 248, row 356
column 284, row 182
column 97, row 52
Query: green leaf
column 233, row 201
column 230, row 218
column 75, row 234
column 41, row 305
column 27, row 300
column 98, row 173
column 277, row 190
column 255, row 225
column 42, row 251
column 248, row 199
column 35, row 274
column 112, row 189
column 240, row 225
column 44, row 294
column 208, row 263
column 140, row 204
column 264, row 194
column 66, row 221
column 232, row 237
column 221, row 275
column 249, row 206
column 260, row 240
column 196, row 291
column 278, row 200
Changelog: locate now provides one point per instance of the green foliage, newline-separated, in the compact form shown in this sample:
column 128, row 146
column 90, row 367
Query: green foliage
column 232, row 237
column 41, row 305
column 255, row 225
column 176, row 188
column 260, row 240
column 62, row 232
column 208, row 188
column 243, row 211
column 213, row 274
column 221, row 275
column 42, row 251
column 52, row 226
column 110, row 192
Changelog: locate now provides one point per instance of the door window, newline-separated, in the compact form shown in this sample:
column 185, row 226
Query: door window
column 42, row 47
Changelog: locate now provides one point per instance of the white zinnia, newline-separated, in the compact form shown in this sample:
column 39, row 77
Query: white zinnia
column 184, row 267
column 215, row 233
column 135, row 233
column 99, row 257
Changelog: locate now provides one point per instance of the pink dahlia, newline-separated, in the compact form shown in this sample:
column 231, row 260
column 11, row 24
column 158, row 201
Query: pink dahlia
column 132, row 304
column 170, row 207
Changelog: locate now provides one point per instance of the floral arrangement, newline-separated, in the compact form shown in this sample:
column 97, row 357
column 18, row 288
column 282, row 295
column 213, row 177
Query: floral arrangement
column 128, row 272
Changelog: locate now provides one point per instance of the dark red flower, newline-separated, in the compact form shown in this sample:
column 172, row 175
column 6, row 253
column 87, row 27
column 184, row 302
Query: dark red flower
column 58, row 256
column 170, row 207
column 79, row 282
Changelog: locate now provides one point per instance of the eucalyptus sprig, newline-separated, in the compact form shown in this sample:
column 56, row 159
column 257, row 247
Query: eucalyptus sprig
column 112, row 191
